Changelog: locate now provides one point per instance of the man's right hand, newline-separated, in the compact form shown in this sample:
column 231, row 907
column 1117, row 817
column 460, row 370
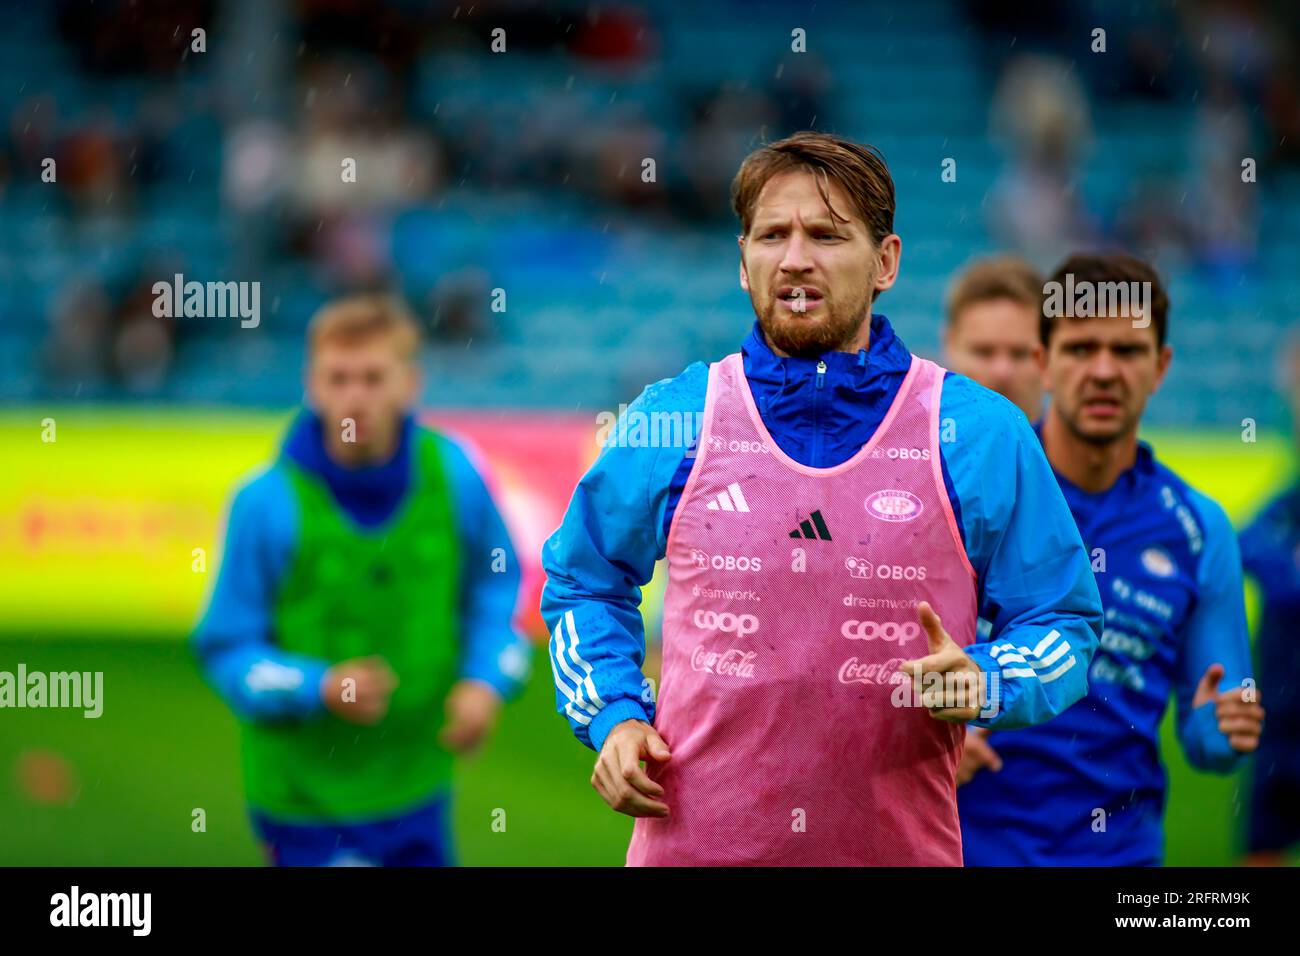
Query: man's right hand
column 976, row 755
column 366, row 700
column 618, row 776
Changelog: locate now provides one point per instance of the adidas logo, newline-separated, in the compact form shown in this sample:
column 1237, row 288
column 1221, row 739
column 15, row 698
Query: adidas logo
column 813, row 527
column 730, row 499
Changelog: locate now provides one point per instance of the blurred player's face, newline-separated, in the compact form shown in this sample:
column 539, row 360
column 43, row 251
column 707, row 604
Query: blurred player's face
column 1101, row 372
column 996, row 344
column 811, row 276
column 369, row 382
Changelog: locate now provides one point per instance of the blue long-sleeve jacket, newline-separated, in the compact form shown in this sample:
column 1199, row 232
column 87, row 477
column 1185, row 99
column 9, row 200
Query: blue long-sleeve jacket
column 1088, row 789
column 1270, row 553
column 234, row 639
column 1033, row 573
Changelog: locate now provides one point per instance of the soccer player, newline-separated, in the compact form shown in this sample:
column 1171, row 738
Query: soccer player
column 992, row 330
column 1088, row 788
column 360, row 627
column 847, row 510
column 1270, row 550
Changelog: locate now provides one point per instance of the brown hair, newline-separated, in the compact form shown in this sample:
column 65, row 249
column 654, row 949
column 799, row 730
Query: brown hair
column 858, row 169
column 1097, row 268
column 994, row 278
column 359, row 318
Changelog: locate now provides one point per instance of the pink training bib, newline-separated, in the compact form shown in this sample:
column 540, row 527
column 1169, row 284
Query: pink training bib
column 791, row 599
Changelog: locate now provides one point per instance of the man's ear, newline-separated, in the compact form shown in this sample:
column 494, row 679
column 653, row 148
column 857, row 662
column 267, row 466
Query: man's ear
column 888, row 258
column 1041, row 356
column 744, row 276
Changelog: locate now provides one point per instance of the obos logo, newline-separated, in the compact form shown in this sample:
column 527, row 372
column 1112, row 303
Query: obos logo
column 858, row 567
column 893, row 505
column 726, row 622
column 725, row 562
column 887, row 631
column 908, row 454
column 718, row 443
column 861, row 568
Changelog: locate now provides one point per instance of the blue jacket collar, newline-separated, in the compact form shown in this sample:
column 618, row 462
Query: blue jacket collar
column 885, row 354
column 370, row 493
column 1144, row 465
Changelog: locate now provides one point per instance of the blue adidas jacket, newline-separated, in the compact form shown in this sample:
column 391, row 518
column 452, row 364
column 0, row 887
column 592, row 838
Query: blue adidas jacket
column 1034, row 576
column 234, row 639
column 1088, row 788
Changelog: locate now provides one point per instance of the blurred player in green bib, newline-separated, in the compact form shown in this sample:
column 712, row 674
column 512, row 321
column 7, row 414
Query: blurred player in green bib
column 361, row 625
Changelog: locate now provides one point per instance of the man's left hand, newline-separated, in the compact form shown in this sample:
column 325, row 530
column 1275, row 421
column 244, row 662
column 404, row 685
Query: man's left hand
column 957, row 699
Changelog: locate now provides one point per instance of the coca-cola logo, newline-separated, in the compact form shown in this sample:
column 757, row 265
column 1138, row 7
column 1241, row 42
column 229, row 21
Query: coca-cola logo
column 893, row 504
column 728, row 623
column 899, row 633
column 854, row 671
column 732, row 662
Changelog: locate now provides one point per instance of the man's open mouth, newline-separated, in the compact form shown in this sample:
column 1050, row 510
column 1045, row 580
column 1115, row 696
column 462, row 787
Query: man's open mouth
column 799, row 297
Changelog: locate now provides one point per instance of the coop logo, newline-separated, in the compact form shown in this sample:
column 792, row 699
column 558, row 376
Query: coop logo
column 729, row 663
column 893, row 505
column 864, row 570
column 854, row 671
column 726, row 622
column 741, row 445
column 725, row 562
column 888, row 631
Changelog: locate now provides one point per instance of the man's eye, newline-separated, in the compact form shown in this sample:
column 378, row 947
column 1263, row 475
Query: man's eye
column 829, row 236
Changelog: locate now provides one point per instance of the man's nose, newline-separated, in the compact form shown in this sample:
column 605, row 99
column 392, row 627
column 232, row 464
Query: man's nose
column 1002, row 369
column 1103, row 366
column 796, row 258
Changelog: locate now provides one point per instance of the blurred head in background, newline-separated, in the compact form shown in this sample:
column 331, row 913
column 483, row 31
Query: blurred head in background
column 1102, row 365
column 994, row 307
column 362, row 376
column 817, row 240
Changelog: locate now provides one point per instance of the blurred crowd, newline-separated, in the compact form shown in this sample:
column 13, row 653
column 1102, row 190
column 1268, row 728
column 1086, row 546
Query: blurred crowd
column 251, row 133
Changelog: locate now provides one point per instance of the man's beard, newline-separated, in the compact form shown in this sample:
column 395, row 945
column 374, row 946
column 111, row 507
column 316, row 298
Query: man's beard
column 798, row 334
column 1128, row 422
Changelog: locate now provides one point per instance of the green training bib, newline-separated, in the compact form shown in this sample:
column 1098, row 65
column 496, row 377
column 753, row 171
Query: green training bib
column 352, row 592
